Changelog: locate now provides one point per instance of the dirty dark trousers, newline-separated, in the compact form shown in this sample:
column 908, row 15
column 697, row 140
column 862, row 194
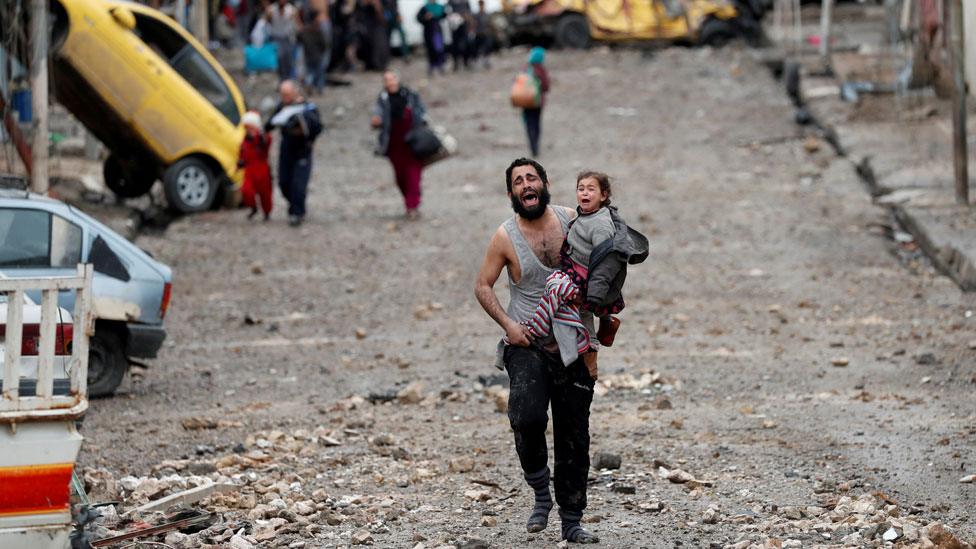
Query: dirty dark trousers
column 294, row 171
column 537, row 379
column 533, row 127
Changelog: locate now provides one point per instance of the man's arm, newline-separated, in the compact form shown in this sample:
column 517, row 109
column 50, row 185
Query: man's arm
column 491, row 268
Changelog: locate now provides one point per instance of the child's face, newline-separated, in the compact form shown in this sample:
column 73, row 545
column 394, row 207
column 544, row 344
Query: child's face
column 252, row 130
column 589, row 196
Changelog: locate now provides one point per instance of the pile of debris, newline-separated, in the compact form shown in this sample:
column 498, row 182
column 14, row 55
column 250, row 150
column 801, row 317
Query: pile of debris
column 869, row 520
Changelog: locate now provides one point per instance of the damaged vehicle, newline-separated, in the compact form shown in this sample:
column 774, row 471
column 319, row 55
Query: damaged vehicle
column 160, row 103
column 42, row 237
column 578, row 23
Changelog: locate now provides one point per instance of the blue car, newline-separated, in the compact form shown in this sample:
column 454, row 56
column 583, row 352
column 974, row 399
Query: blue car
column 40, row 236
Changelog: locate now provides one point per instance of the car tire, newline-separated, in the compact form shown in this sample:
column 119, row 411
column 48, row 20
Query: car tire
column 124, row 181
column 716, row 32
column 573, row 31
column 106, row 364
column 190, row 185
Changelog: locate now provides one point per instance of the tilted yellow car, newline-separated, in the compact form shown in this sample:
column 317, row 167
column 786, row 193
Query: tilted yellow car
column 575, row 23
column 161, row 104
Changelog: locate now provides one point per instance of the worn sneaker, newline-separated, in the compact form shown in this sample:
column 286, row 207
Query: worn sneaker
column 608, row 329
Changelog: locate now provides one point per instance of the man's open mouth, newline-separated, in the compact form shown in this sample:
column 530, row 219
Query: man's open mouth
column 530, row 198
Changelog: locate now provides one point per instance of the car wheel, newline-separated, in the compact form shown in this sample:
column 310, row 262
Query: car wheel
column 190, row 185
column 716, row 33
column 106, row 364
column 573, row 31
column 125, row 181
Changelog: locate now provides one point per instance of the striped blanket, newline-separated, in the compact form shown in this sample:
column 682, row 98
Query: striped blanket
column 558, row 314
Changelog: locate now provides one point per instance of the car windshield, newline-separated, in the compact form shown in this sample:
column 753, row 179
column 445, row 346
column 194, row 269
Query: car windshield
column 188, row 63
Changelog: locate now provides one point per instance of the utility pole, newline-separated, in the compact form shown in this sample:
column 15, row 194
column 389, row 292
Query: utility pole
column 960, row 155
column 38, row 84
column 826, row 20
column 199, row 20
column 180, row 14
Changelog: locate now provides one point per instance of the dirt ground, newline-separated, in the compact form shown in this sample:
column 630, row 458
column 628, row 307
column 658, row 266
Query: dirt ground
column 764, row 273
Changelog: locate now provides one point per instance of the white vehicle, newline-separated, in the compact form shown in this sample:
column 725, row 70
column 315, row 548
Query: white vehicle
column 30, row 339
column 41, row 398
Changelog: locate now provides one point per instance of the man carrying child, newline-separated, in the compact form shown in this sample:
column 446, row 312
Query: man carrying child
column 531, row 247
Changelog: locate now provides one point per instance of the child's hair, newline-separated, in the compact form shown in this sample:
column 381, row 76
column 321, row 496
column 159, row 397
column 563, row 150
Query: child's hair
column 601, row 178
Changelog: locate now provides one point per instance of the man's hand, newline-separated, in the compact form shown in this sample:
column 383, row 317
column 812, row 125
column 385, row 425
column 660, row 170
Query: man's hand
column 518, row 335
column 375, row 121
column 589, row 359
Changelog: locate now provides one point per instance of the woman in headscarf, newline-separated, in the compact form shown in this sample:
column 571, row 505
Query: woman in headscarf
column 533, row 116
column 430, row 17
column 397, row 109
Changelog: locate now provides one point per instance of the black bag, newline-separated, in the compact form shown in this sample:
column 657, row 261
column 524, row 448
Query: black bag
column 423, row 142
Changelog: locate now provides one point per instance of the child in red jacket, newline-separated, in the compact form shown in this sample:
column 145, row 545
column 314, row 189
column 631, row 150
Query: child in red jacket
column 257, row 171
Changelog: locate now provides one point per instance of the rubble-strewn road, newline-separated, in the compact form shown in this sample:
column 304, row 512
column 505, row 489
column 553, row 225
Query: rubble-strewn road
column 773, row 348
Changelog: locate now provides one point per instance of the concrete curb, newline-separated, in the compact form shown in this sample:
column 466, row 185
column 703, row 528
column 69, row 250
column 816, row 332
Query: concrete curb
column 947, row 259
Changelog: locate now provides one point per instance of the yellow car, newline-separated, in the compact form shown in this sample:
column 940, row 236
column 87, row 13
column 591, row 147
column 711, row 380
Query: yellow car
column 575, row 23
column 161, row 104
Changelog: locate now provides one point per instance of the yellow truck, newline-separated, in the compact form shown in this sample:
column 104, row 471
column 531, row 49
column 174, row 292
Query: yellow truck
column 577, row 23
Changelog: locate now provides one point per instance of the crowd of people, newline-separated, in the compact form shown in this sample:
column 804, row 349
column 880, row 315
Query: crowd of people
column 350, row 35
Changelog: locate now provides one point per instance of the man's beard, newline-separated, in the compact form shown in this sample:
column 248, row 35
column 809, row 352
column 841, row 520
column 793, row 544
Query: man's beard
column 534, row 212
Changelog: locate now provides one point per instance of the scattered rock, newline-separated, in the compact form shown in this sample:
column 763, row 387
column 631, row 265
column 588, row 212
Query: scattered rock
column 607, row 460
column 198, row 423
column 411, row 394
column 622, row 488
column 361, row 334
column 663, row 403
column 361, row 537
column 678, row 476
column 811, row 144
column 489, row 522
column 473, row 543
column 711, row 515
column 461, row 465
column 840, row 361
column 925, row 359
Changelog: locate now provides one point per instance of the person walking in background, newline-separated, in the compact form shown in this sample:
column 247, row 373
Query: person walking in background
column 484, row 35
column 533, row 116
column 394, row 23
column 460, row 11
column 316, row 48
column 254, row 160
column 323, row 20
column 397, row 110
column 283, row 25
column 375, row 38
column 430, row 17
column 300, row 124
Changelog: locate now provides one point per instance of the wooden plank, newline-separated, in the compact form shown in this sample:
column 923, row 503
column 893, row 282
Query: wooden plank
column 54, row 283
column 12, row 343
column 82, row 331
column 45, row 346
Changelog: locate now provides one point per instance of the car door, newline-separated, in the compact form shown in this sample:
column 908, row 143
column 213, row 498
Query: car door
column 188, row 86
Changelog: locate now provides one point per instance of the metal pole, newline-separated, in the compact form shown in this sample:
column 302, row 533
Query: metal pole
column 180, row 14
column 826, row 19
column 38, row 82
column 199, row 19
column 959, row 149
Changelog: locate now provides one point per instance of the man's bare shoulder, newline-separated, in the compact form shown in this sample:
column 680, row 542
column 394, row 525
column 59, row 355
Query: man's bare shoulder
column 501, row 238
